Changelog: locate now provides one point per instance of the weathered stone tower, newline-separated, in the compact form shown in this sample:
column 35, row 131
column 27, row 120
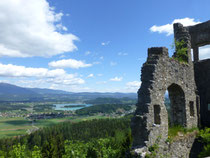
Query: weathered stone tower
column 185, row 84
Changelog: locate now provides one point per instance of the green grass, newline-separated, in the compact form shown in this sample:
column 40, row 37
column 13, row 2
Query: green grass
column 10, row 127
column 173, row 131
column 13, row 126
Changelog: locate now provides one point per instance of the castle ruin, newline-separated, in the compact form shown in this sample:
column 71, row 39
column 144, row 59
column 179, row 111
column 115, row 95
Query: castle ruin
column 188, row 85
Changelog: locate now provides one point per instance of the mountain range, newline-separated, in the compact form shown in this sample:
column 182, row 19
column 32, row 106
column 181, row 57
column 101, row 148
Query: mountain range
column 9, row 92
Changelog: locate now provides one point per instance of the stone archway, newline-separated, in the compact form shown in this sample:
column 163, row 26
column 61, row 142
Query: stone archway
column 161, row 73
column 178, row 107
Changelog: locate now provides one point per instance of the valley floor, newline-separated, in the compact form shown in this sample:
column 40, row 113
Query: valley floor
column 11, row 127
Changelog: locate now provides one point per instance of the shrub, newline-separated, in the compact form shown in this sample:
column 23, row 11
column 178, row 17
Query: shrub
column 205, row 138
column 181, row 51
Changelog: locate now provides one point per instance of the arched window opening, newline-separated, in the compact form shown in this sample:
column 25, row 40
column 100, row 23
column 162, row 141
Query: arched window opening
column 157, row 119
column 176, row 108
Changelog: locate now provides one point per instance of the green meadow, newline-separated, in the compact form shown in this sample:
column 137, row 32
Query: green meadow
column 10, row 127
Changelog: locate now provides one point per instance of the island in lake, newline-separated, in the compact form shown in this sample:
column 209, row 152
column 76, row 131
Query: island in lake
column 73, row 106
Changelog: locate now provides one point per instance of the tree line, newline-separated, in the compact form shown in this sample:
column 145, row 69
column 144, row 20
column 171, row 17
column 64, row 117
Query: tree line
column 95, row 138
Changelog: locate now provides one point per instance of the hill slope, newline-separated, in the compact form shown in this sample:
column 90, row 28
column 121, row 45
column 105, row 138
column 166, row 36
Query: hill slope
column 9, row 92
column 6, row 88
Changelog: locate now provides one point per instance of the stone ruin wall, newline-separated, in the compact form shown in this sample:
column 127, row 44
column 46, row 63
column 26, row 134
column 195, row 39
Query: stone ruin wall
column 200, row 36
column 161, row 73
column 202, row 78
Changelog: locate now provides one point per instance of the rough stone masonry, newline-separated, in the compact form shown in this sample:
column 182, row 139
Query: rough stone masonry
column 188, row 87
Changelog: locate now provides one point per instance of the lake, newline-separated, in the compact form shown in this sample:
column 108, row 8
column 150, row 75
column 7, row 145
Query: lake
column 63, row 108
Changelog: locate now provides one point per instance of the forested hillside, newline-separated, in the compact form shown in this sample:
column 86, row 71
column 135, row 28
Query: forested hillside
column 102, row 100
column 104, row 108
column 95, row 138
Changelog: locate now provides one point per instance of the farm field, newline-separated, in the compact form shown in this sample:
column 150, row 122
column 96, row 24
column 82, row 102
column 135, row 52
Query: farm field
column 10, row 127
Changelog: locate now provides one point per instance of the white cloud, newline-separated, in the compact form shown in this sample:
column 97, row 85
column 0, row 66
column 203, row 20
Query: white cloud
column 90, row 76
column 101, row 58
column 30, row 83
column 96, row 62
column 26, row 83
column 101, row 82
column 69, row 63
column 31, row 28
column 116, row 79
column 57, row 76
column 61, row 27
column 122, row 54
column 10, row 70
column 70, row 88
column 133, row 84
column 99, row 75
column 62, row 56
column 41, row 83
column 168, row 28
column 68, row 79
column 204, row 52
column 87, row 53
column 105, row 43
column 113, row 63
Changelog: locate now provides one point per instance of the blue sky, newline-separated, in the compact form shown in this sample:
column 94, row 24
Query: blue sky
column 87, row 45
